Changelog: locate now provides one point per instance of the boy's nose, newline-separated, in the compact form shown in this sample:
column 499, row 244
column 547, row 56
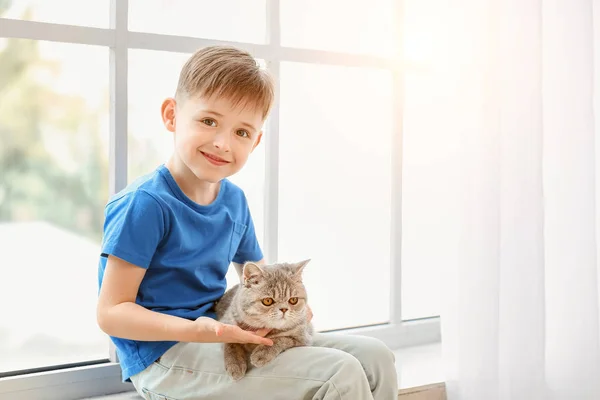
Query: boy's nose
column 221, row 141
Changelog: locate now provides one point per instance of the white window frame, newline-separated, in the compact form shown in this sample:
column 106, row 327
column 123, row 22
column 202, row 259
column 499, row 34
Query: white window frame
column 101, row 379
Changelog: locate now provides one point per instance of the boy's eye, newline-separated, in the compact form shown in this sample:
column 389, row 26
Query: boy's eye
column 243, row 133
column 268, row 301
column 293, row 300
column 209, row 122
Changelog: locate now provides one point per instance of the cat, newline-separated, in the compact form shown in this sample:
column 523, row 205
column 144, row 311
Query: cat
column 272, row 297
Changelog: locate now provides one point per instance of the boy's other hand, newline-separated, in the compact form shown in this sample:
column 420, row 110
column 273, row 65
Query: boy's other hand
column 226, row 333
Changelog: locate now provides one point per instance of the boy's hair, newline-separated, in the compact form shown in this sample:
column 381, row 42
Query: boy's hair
column 227, row 72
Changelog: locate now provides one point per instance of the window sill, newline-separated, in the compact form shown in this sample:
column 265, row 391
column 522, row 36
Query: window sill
column 420, row 372
column 75, row 383
column 419, row 365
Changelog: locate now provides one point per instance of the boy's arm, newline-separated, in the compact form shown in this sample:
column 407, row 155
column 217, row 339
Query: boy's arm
column 118, row 315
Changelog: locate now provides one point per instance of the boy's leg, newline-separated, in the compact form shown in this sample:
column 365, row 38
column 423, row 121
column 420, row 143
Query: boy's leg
column 197, row 371
column 375, row 357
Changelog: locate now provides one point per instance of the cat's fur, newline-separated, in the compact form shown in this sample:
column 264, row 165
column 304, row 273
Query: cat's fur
column 242, row 305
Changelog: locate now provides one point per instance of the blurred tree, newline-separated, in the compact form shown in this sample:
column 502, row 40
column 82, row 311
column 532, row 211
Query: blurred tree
column 68, row 185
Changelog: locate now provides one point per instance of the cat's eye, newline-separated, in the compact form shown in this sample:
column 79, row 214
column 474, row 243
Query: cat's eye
column 268, row 301
column 293, row 300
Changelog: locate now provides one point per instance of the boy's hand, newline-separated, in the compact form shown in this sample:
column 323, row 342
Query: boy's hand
column 225, row 333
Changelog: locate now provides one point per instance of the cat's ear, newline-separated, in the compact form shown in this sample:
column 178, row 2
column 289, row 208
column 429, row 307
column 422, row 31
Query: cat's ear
column 252, row 273
column 298, row 268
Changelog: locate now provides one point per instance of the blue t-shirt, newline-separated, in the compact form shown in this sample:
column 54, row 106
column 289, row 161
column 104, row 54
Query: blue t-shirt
column 185, row 247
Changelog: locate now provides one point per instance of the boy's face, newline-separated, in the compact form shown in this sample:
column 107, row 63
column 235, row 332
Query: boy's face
column 213, row 139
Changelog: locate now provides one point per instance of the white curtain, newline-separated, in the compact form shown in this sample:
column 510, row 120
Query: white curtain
column 516, row 106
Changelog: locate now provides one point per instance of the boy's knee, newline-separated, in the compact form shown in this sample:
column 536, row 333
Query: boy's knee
column 349, row 367
column 374, row 351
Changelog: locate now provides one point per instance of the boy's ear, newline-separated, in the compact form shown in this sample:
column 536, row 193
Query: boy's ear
column 167, row 111
column 257, row 140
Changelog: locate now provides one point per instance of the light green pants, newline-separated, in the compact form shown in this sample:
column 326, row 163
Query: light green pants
column 336, row 367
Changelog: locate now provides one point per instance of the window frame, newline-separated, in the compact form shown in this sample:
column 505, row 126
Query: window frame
column 105, row 378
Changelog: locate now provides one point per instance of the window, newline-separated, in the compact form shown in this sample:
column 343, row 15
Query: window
column 53, row 187
column 80, row 96
column 89, row 13
column 234, row 20
column 152, row 77
column 334, row 191
column 426, row 243
column 360, row 27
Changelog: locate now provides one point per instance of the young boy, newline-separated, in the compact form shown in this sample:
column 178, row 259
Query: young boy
column 169, row 238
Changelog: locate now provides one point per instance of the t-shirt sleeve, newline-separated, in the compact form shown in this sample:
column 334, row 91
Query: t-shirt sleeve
column 249, row 249
column 133, row 228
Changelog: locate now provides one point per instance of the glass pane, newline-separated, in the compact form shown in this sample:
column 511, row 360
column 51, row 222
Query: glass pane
column 235, row 20
column 150, row 144
column 339, row 25
column 420, row 265
column 71, row 12
column 53, row 188
column 427, row 238
column 334, row 199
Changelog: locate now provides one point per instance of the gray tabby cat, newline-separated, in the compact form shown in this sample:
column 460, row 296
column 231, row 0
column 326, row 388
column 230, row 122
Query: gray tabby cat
column 272, row 297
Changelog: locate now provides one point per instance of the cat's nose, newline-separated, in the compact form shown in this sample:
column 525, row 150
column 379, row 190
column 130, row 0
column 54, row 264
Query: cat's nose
column 283, row 310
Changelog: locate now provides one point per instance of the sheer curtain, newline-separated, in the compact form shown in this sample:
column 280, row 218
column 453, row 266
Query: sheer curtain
column 515, row 110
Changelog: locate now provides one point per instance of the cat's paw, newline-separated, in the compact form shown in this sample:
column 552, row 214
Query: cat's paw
column 236, row 369
column 235, row 361
column 262, row 355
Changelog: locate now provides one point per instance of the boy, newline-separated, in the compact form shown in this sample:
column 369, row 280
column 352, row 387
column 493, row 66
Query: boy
column 169, row 238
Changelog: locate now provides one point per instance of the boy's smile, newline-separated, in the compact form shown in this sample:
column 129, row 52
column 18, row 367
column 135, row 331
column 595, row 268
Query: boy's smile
column 218, row 161
column 213, row 139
